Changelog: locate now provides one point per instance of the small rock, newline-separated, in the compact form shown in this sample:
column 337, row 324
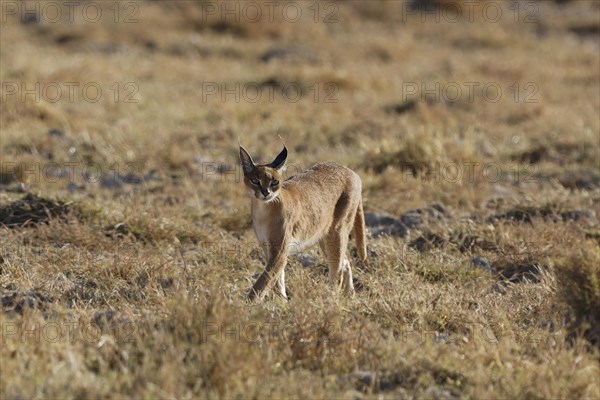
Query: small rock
column 547, row 324
column 19, row 187
column 586, row 179
column 103, row 318
column 272, row 82
column 289, row 54
column 379, row 54
column 166, row 283
column 518, row 273
column 384, row 224
column 18, row 302
column 131, row 178
column 439, row 208
column 306, row 260
column 580, row 215
column 110, row 48
column 151, row 176
column 32, row 210
column 441, row 337
column 68, row 38
column 528, row 214
column 109, row 321
column 200, row 159
column 499, row 288
column 56, row 132
column 396, row 229
column 593, row 235
column 521, row 214
column 375, row 219
column 401, row 108
column 73, row 187
column 366, row 379
column 122, row 228
column 30, row 18
column 116, row 181
column 434, row 393
column 481, row 262
column 381, row 224
column 151, row 45
column 427, row 242
column 426, row 215
column 412, row 219
column 110, row 182
column 352, row 394
column 589, row 30
column 473, row 242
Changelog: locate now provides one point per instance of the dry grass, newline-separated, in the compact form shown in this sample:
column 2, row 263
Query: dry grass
column 126, row 243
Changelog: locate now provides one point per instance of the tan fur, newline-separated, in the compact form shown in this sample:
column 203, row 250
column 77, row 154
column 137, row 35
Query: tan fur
column 321, row 205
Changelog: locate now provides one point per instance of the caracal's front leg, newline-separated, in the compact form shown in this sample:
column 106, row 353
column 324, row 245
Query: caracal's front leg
column 276, row 262
column 281, row 279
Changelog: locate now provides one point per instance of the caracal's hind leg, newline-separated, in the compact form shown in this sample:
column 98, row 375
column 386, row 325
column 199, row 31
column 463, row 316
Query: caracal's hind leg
column 323, row 247
column 281, row 284
column 336, row 242
column 347, row 281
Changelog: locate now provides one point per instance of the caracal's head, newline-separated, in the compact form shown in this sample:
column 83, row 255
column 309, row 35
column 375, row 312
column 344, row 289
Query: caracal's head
column 264, row 180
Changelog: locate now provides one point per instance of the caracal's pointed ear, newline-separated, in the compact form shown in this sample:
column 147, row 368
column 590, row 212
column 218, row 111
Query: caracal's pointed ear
column 247, row 163
column 279, row 161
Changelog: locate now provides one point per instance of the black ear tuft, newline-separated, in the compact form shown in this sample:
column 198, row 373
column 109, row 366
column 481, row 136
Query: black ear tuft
column 279, row 161
column 247, row 163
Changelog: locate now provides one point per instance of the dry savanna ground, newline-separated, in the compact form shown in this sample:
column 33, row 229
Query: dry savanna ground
column 126, row 242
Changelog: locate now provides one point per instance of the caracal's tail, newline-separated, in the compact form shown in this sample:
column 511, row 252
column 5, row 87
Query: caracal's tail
column 360, row 233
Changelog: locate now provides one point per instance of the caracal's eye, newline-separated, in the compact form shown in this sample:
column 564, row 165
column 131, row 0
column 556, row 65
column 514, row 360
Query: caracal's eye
column 274, row 183
column 255, row 181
